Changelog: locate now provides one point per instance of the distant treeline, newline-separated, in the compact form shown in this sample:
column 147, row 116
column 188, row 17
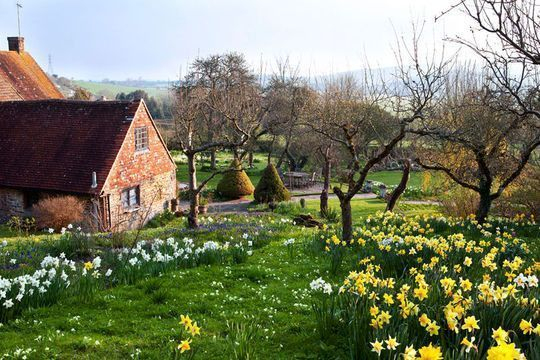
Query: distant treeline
column 160, row 108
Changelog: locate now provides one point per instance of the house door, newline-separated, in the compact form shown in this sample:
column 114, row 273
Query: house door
column 105, row 212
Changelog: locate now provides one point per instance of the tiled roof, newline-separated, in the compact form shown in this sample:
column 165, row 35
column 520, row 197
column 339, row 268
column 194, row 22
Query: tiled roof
column 57, row 144
column 21, row 78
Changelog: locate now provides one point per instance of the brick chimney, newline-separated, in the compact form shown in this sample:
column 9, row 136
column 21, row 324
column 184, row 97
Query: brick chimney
column 16, row 44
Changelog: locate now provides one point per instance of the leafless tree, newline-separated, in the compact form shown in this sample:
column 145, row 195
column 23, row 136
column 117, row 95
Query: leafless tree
column 368, row 120
column 475, row 140
column 506, row 35
column 235, row 98
column 289, row 97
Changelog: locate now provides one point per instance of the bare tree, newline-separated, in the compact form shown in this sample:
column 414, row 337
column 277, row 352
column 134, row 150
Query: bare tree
column 290, row 97
column 235, row 99
column 506, row 35
column 354, row 115
column 475, row 140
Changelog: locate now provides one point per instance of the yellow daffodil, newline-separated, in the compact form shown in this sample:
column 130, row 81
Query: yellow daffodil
column 184, row 345
column 421, row 293
column 424, row 320
column 194, row 329
column 409, row 353
column 377, row 347
column 504, row 352
column 185, row 320
column 432, row 328
column 391, row 343
column 430, row 353
column 470, row 324
column 526, row 326
column 500, row 336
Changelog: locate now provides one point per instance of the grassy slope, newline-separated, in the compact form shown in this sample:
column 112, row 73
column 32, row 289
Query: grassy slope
column 95, row 87
column 126, row 318
column 122, row 319
column 364, row 207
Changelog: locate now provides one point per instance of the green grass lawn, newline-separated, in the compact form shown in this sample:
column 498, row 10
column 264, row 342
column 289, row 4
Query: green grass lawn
column 393, row 177
column 223, row 161
column 127, row 318
column 390, row 178
column 97, row 87
column 364, row 207
column 269, row 290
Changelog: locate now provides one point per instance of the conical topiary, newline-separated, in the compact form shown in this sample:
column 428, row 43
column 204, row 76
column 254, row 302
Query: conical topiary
column 270, row 188
column 235, row 184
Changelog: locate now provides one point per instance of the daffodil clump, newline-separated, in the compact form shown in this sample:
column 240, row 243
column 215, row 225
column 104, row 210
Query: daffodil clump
column 418, row 295
column 191, row 329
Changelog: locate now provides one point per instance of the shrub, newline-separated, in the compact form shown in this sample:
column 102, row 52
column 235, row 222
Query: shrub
column 522, row 197
column 235, row 184
column 460, row 202
column 21, row 225
column 58, row 212
column 270, row 188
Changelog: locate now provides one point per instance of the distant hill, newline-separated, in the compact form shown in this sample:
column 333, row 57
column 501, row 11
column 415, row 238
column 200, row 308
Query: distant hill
column 110, row 89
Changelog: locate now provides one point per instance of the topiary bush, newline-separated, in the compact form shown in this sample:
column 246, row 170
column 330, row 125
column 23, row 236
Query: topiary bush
column 270, row 188
column 235, row 184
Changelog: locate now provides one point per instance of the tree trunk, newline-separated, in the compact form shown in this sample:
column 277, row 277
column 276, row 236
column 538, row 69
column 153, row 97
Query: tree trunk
column 193, row 218
column 280, row 160
column 250, row 159
column 236, row 154
column 400, row 189
column 271, row 150
column 213, row 159
column 346, row 218
column 326, row 187
column 484, row 205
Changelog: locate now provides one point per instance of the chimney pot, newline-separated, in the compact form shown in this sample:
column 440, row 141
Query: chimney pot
column 16, row 43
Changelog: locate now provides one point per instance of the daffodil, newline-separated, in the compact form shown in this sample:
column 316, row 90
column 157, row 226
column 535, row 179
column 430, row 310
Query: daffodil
column 185, row 320
column 194, row 329
column 504, row 352
column 468, row 343
column 470, row 324
column 184, row 345
column 377, row 347
column 424, row 320
column 432, row 328
column 391, row 343
column 526, row 326
column 409, row 353
column 430, row 353
column 500, row 336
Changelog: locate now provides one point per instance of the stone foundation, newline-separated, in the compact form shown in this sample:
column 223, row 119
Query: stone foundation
column 11, row 204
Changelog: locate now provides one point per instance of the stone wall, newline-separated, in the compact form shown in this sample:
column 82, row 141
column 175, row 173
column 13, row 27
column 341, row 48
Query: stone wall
column 11, row 203
column 152, row 170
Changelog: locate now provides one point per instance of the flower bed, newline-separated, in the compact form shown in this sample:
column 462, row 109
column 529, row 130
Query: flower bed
column 412, row 292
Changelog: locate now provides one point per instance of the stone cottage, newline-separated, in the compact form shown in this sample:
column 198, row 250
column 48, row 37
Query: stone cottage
column 108, row 153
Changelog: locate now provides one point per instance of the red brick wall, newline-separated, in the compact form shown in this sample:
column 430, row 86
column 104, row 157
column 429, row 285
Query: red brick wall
column 152, row 170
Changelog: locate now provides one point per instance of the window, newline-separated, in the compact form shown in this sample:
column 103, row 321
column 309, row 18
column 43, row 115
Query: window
column 131, row 198
column 141, row 138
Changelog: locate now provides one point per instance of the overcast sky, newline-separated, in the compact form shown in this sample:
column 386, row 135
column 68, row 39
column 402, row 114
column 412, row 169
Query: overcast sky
column 154, row 39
